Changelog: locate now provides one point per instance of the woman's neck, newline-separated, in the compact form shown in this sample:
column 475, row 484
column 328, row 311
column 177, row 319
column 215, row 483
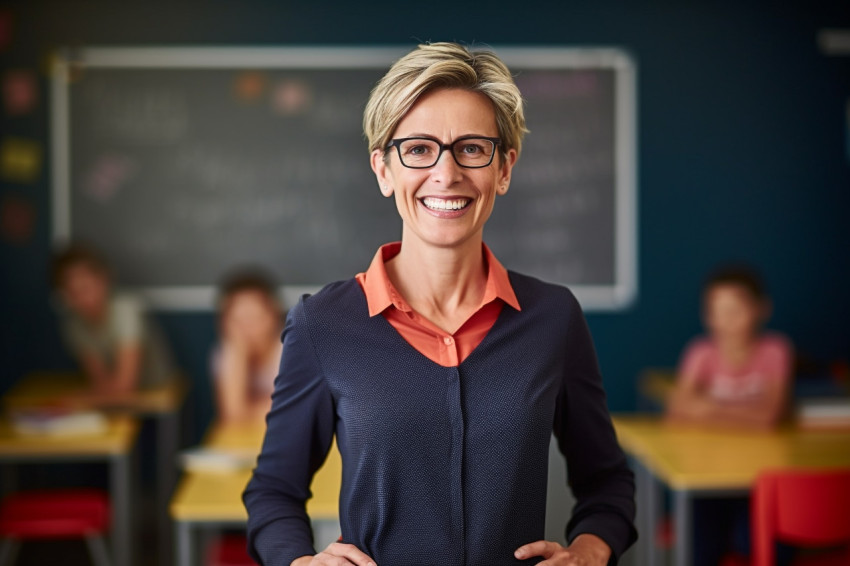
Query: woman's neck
column 445, row 285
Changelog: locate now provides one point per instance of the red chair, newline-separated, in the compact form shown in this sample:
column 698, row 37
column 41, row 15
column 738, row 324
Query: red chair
column 55, row 515
column 807, row 509
column 229, row 550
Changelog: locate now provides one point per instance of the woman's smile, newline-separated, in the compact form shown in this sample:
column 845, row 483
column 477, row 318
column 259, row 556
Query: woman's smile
column 446, row 207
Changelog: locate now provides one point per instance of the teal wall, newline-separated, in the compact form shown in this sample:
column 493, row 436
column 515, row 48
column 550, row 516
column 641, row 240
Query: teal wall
column 742, row 152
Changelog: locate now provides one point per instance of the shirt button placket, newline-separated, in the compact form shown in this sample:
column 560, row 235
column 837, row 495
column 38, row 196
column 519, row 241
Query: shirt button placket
column 451, row 350
column 457, row 450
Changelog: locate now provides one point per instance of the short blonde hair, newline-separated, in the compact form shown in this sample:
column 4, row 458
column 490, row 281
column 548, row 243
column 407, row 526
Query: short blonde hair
column 444, row 65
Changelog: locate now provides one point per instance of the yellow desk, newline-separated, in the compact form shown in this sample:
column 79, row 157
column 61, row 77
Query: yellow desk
column 655, row 385
column 114, row 447
column 213, row 499
column 161, row 404
column 701, row 462
column 37, row 389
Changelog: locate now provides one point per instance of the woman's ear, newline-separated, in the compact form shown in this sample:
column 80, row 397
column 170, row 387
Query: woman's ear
column 382, row 172
column 505, row 168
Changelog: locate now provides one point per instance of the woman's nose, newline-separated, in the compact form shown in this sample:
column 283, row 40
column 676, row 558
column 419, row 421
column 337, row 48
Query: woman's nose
column 446, row 170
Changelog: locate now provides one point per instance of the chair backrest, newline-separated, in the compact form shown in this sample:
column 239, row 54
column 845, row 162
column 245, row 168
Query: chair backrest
column 799, row 507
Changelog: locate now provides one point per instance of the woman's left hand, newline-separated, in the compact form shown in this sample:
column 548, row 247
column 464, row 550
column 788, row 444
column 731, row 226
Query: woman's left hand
column 586, row 550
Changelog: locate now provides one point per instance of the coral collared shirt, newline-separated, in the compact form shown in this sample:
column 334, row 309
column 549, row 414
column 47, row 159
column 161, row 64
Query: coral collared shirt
column 439, row 346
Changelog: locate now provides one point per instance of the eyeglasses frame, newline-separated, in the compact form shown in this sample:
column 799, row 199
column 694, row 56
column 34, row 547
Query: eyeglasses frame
column 443, row 147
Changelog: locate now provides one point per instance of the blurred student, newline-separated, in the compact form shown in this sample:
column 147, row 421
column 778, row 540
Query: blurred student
column 108, row 332
column 739, row 374
column 246, row 361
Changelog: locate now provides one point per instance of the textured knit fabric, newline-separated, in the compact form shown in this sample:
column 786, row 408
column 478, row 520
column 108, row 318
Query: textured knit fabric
column 441, row 465
column 445, row 348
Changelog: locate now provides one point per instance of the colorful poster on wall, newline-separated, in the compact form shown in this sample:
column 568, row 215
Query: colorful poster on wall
column 20, row 160
column 20, row 92
column 17, row 219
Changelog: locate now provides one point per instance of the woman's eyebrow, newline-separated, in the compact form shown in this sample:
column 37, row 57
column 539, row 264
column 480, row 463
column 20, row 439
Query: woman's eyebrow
column 435, row 138
column 421, row 135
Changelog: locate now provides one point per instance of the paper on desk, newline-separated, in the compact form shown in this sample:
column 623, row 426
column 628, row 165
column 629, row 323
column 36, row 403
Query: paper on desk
column 217, row 460
column 825, row 412
column 57, row 422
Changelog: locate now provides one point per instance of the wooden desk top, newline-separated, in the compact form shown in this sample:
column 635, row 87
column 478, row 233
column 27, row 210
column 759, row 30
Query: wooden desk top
column 213, row 496
column 657, row 384
column 71, row 389
column 687, row 457
column 118, row 439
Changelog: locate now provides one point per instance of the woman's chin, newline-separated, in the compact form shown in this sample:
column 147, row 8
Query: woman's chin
column 446, row 239
column 449, row 233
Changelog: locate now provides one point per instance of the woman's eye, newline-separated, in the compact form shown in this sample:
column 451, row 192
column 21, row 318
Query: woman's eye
column 471, row 149
column 417, row 150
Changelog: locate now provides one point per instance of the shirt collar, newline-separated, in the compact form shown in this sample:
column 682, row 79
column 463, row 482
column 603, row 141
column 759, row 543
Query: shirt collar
column 380, row 293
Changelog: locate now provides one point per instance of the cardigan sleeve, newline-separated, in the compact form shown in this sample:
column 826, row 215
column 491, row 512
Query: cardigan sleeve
column 299, row 434
column 598, row 474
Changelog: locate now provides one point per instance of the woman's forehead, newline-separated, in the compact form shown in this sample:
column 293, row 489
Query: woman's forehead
column 449, row 112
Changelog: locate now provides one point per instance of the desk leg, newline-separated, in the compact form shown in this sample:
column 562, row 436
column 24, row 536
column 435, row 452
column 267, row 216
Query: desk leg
column 654, row 518
column 167, row 438
column 325, row 531
column 121, row 512
column 684, row 527
column 185, row 550
column 648, row 512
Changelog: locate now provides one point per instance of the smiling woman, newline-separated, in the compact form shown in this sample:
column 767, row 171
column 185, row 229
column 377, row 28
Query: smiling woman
column 439, row 189
column 441, row 374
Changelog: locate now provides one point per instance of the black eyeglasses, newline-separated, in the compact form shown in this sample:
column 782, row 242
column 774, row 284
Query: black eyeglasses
column 422, row 153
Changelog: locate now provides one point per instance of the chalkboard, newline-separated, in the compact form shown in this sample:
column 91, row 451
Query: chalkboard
column 181, row 163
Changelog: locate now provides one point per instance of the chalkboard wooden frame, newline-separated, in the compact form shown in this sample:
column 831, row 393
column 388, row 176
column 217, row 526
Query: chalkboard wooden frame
column 616, row 294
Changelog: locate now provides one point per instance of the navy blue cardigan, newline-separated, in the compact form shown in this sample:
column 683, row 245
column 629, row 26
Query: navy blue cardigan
column 441, row 465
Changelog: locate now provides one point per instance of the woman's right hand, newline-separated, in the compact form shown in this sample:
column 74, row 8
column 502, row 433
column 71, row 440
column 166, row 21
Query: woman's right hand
column 336, row 554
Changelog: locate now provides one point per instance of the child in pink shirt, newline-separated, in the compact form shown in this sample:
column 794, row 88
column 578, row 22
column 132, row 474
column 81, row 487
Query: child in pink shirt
column 738, row 375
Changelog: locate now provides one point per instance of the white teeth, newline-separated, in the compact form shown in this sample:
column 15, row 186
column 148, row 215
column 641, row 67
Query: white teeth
column 445, row 204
